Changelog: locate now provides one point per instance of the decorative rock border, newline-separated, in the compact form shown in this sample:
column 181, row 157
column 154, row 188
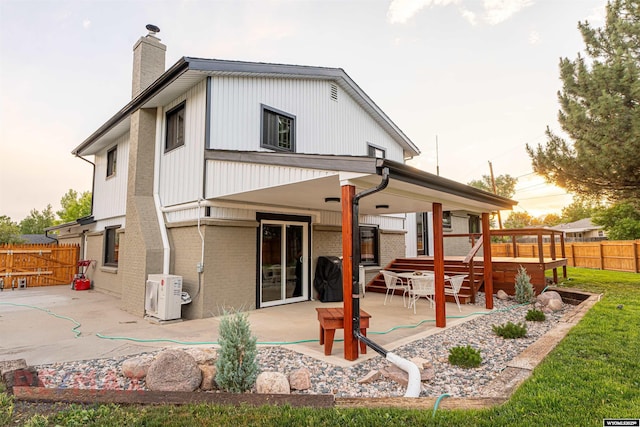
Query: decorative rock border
column 497, row 392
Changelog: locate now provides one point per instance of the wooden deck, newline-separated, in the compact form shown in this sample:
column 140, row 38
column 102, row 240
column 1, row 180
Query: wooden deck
column 506, row 268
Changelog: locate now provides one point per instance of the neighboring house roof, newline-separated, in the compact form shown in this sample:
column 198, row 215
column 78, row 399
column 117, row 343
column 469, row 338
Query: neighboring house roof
column 188, row 71
column 580, row 226
column 37, row 239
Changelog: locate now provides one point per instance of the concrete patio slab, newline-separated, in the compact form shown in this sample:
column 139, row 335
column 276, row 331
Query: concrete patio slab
column 40, row 325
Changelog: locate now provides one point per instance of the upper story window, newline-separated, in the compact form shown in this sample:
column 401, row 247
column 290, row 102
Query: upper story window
column 278, row 130
column 111, row 246
column 377, row 152
column 175, row 128
column 112, row 158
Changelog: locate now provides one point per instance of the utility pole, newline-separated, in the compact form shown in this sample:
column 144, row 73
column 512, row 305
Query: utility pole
column 437, row 158
column 495, row 191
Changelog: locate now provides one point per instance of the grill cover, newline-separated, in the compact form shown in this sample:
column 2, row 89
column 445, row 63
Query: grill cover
column 328, row 279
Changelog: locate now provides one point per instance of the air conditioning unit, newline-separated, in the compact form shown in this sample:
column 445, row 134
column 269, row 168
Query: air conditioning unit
column 163, row 296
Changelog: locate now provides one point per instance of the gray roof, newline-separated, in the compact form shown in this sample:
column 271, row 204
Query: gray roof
column 189, row 71
column 37, row 239
column 580, row 225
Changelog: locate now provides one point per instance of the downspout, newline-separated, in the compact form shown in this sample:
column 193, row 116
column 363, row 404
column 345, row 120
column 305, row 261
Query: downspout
column 413, row 388
column 93, row 187
column 166, row 250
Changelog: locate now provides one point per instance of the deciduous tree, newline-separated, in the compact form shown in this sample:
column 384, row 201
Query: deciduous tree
column 505, row 184
column 74, row 206
column 577, row 210
column 9, row 230
column 621, row 221
column 36, row 222
column 519, row 220
column 599, row 111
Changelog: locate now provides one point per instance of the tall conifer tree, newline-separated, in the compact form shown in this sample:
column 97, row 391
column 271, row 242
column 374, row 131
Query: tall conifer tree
column 599, row 111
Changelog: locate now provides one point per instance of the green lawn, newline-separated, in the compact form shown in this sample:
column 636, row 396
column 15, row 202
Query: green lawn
column 594, row 373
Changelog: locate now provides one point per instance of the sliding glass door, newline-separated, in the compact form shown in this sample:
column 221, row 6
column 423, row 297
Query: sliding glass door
column 283, row 262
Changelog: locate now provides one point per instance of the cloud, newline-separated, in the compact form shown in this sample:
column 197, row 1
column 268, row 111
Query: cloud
column 86, row 24
column 534, row 37
column 469, row 16
column 497, row 11
column 400, row 11
column 598, row 14
column 494, row 11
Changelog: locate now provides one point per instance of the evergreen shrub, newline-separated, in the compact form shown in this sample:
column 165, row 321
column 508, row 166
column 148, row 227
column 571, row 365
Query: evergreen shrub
column 237, row 368
column 524, row 288
column 511, row 330
column 535, row 315
column 465, row 357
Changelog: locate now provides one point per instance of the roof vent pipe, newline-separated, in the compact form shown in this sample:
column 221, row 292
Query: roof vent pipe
column 413, row 388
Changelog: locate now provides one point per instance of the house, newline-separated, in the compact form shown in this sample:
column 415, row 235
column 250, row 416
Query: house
column 456, row 226
column 582, row 230
column 237, row 176
column 37, row 239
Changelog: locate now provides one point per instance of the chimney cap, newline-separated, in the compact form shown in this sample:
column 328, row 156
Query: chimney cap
column 152, row 29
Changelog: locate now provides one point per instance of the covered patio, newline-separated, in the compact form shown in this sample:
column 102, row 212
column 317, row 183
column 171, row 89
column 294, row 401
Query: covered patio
column 363, row 185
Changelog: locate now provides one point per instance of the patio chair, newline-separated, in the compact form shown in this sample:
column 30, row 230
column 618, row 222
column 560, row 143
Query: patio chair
column 423, row 286
column 393, row 283
column 456, row 284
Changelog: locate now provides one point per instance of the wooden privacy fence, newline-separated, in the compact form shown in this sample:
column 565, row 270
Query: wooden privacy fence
column 37, row 265
column 617, row 255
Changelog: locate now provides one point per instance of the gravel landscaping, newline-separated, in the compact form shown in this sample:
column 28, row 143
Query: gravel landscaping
column 327, row 378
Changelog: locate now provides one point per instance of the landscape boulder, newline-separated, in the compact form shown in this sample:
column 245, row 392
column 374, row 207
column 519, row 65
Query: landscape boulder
column 549, row 301
column 300, row 379
column 208, row 377
column 173, row 370
column 502, row 295
column 203, row 356
column 272, row 383
column 545, row 297
column 136, row 367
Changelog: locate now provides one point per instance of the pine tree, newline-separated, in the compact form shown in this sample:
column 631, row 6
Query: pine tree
column 236, row 366
column 524, row 288
column 600, row 112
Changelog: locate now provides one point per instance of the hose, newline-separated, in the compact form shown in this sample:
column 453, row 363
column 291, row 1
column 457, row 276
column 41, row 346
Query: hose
column 435, row 406
column 169, row 340
column 50, row 313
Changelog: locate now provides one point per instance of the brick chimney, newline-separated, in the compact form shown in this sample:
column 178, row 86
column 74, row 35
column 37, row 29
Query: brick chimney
column 148, row 61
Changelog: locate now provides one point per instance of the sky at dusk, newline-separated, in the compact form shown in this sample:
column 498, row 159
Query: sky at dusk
column 480, row 77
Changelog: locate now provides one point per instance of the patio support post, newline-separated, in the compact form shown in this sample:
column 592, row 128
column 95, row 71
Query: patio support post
column 488, row 266
column 350, row 342
column 438, row 265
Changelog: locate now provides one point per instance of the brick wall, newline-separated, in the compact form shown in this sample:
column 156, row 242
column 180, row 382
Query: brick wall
column 105, row 279
column 230, row 268
column 141, row 252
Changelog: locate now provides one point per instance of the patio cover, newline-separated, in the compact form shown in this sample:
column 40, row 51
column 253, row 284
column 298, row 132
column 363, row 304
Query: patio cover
column 306, row 180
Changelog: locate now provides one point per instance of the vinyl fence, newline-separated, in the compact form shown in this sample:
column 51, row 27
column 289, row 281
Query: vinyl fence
column 27, row 265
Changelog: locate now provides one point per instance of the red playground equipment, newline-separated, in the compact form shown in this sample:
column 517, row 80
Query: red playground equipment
column 80, row 281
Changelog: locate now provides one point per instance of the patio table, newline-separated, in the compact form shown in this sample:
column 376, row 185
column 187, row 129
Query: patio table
column 412, row 275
